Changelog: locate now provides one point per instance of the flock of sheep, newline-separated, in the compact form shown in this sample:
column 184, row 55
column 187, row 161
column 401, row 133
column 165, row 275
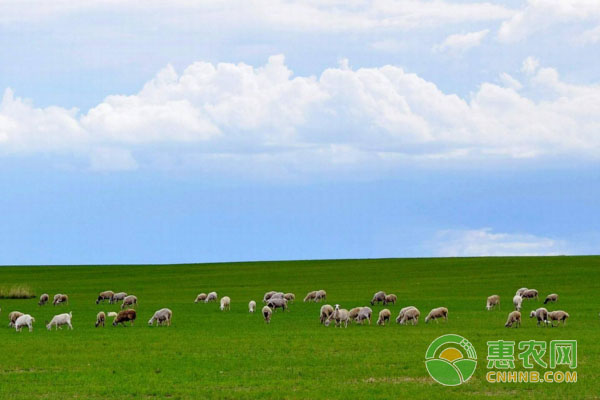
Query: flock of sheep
column 274, row 300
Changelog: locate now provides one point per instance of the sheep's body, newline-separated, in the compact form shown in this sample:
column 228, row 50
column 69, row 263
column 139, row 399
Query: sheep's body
column 12, row 318
column 107, row 295
column 124, row 316
column 225, row 303
column 278, row 302
column 409, row 313
column 129, row 301
column 44, row 299
column 277, row 295
column 514, row 318
column 558, row 315
column 59, row 320
column 365, row 313
column 212, row 296
column 117, row 297
column 390, row 298
column 325, row 313
column 289, row 297
column 530, row 294
column 310, row 296
column 252, row 306
column 24, row 320
column 541, row 314
column 200, row 297
column 60, row 298
column 384, row 316
column 492, row 301
column 378, row 297
column 517, row 302
column 520, row 291
column 353, row 313
column 437, row 313
column 320, row 296
column 551, row 298
column 267, row 312
column 100, row 319
column 161, row 317
column 268, row 295
column 340, row 316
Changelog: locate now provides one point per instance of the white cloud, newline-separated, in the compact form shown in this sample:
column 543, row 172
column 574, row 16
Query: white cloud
column 461, row 43
column 485, row 242
column 530, row 65
column 510, row 82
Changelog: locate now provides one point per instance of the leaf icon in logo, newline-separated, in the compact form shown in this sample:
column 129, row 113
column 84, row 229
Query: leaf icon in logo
column 443, row 372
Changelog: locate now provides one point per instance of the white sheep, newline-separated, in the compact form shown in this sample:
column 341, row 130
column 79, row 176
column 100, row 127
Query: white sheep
column 551, row 298
column 339, row 315
column 212, row 296
column 12, row 317
column 436, row 313
column 225, row 303
column 520, row 291
column 267, row 312
column 384, row 316
column 161, row 317
column 530, row 294
column 365, row 313
column 541, row 314
column 101, row 319
column 268, row 295
column 378, row 297
column 289, row 297
column 558, row 315
column 409, row 313
column 200, row 297
column 320, row 295
column 492, row 301
column 118, row 297
column 353, row 313
column 517, row 302
column 60, row 298
column 24, row 320
column 514, row 318
column 251, row 306
column 325, row 313
column 310, row 296
column 129, row 301
column 59, row 320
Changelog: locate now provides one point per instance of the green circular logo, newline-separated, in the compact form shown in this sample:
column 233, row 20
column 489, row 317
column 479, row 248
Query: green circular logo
column 451, row 360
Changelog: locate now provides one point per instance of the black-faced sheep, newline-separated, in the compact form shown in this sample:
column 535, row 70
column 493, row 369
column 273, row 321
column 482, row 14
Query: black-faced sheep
column 124, row 316
column 59, row 320
column 267, row 312
column 161, row 317
column 106, row 295
column 44, row 299
column 378, row 297
column 492, row 301
column 551, row 298
column 514, row 318
column 437, row 313
column 60, row 299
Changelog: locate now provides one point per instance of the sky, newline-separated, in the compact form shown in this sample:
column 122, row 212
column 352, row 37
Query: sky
column 182, row 131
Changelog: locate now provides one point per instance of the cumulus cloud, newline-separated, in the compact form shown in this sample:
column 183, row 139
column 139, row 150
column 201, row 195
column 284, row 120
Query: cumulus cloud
column 510, row 82
column 461, row 43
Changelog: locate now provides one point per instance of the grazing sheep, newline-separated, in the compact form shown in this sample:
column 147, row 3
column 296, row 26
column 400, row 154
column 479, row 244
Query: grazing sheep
column 541, row 314
column 44, row 299
column 161, row 317
column 353, row 313
column 278, row 302
column 436, row 313
column 289, row 297
column 325, row 313
column 551, row 298
column 129, row 301
column 492, row 301
column 124, row 316
column 384, row 316
column 60, row 298
column 409, row 313
column 310, row 296
column 266, row 312
column 100, row 319
column 268, row 295
column 118, row 297
column 558, row 315
column 225, row 303
column 278, row 295
column 390, row 298
column 212, row 296
column 517, row 302
column 24, row 320
column 320, row 295
column 513, row 318
column 340, row 315
column 200, row 297
column 520, row 291
column 12, row 318
column 59, row 320
column 365, row 313
column 377, row 297
column 252, row 306
column 530, row 294
column 107, row 295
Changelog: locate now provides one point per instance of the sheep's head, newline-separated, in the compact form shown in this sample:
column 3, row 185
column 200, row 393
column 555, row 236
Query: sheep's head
column 532, row 314
column 151, row 321
column 337, row 306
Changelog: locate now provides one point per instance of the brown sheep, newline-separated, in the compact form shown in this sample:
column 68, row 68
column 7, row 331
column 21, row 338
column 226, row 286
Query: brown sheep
column 60, row 298
column 558, row 315
column 384, row 316
column 390, row 298
column 551, row 298
column 100, row 319
column 436, row 313
column 310, row 296
column 492, row 301
column 513, row 318
column 325, row 313
column 354, row 313
column 106, row 295
column 124, row 316
column 43, row 299
column 200, row 297
column 12, row 318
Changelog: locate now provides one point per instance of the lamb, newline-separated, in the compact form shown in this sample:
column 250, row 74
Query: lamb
column 12, row 318
column 409, row 313
column 289, row 297
column 520, row 291
column 541, row 314
column 377, row 297
column 268, row 295
column 514, row 318
column 384, row 316
column 276, row 303
column 129, row 301
column 517, row 301
column 60, row 298
column 225, row 303
column 100, row 319
column 353, row 313
column 200, row 297
column 492, row 301
column 44, row 299
column 365, row 313
column 161, row 317
column 339, row 315
column 551, row 298
column 106, row 295
column 266, row 312
column 320, row 295
column 24, row 320
column 310, row 296
column 325, row 313
column 59, row 320
column 117, row 297
column 124, row 316
column 390, row 298
column 436, row 313
column 558, row 315
column 530, row 294
column 252, row 306
column 212, row 296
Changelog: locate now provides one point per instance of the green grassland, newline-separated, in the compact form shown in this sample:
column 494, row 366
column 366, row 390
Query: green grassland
column 207, row 353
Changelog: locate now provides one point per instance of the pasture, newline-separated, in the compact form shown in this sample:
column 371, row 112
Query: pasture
column 207, row 353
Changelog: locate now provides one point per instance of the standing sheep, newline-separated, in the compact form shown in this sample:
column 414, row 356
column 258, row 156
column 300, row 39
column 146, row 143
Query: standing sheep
column 530, row 294
column 225, row 303
column 365, row 313
column 558, row 315
column 289, row 297
column 124, row 316
column 384, row 316
column 492, row 301
column 60, row 298
column 390, row 298
column 106, row 295
column 266, row 312
column 325, row 313
column 44, row 299
column 12, row 318
column 129, row 301
column 521, row 291
column 409, row 313
column 251, row 306
column 320, row 295
column 551, row 298
column 340, row 315
column 513, row 318
column 268, row 296
column 310, row 296
column 378, row 297
column 59, row 320
column 436, row 313
column 118, row 297
column 353, row 313
column 200, row 297
column 517, row 302
column 277, row 302
column 541, row 314
column 24, row 320
column 100, row 319
column 161, row 317
column 212, row 296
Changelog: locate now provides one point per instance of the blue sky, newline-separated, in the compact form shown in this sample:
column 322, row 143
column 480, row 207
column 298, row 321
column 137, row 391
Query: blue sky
column 145, row 132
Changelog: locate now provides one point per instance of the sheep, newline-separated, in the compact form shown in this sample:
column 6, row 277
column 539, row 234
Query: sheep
column 44, row 299
column 161, row 317
column 353, row 313
column 268, row 295
column 310, row 296
column 365, row 313
column 513, row 318
column 59, row 320
column 124, row 316
column 100, row 319
column 111, row 314
column 384, row 316
column 200, row 297
column 390, row 298
column 558, row 315
column 129, row 301
column 492, row 301
column 541, row 314
column 320, row 295
column 436, row 313
column 118, row 297
column 377, row 297
column 517, row 302
column 278, row 295
column 24, row 320
column 225, row 303
column 551, row 298
column 106, row 295
column 251, row 306
column 276, row 303
column 12, row 318
column 266, row 312
column 520, row 291
column 530, row 294
column 339, row 315
column 60, row 298
column 325, row 313
column 289, row 297
column 212, row 296
column 409, row 313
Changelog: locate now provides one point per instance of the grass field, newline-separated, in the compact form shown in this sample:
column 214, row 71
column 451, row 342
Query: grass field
column 207, row 353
